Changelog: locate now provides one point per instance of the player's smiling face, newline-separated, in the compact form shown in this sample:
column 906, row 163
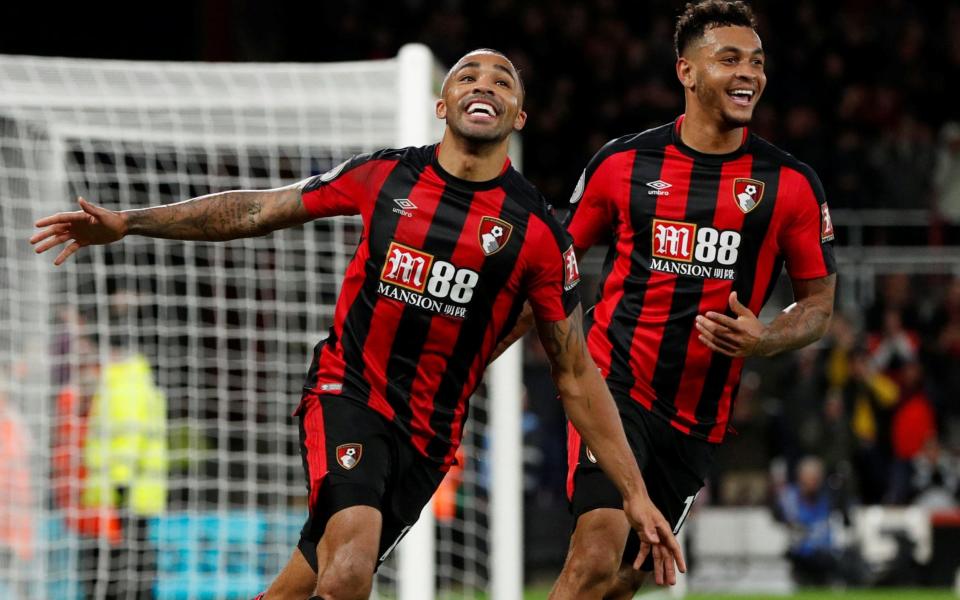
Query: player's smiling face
column 726, row 73
column 482, row 98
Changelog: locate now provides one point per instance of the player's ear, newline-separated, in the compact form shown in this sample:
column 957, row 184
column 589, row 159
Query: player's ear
column 685, row 72
column 520, row 121
column 441, row 109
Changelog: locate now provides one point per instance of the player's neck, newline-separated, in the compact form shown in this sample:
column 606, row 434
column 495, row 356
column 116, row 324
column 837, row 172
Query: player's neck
column 704, row 134
column 469, row 161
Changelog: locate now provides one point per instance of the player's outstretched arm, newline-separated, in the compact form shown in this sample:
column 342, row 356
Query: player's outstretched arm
column 591, row 409
column 803, row 322
column 215, row 217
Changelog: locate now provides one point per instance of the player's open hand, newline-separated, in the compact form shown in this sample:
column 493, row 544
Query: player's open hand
column 737, row 337
column 656, row 537
column 90, row 225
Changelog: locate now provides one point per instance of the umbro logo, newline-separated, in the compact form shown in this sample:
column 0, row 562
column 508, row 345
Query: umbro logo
column 659, row 186
column 404, row 206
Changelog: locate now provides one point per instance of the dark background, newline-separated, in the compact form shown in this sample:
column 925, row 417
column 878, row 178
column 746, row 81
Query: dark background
column 859, row 89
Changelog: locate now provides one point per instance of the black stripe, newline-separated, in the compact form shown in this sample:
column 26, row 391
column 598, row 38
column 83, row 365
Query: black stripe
column 701, row 207
column 494, row 275
column 647, row 166
column 413, row 327
column 752, row 234
column 356, row 325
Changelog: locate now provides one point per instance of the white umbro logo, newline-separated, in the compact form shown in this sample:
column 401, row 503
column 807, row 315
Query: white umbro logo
column 658, row 188
column 403, row 206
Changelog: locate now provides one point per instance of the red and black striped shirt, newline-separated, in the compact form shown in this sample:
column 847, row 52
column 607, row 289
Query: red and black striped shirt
column 438, row 279
column 685, row 229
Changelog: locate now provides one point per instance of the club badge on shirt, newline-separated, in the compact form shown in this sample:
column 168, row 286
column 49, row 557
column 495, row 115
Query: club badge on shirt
column 348, row 455
column 747, row 193
column 494, row 234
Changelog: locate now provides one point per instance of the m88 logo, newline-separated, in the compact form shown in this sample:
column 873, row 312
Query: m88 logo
column 419, row 272
column 680, row 241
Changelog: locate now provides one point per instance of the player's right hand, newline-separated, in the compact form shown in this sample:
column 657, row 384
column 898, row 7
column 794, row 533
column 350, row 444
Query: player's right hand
column 656, row 538
column 91, row 225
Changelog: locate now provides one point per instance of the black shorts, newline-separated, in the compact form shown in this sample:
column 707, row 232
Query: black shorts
column 354, row 457
column 674, row 466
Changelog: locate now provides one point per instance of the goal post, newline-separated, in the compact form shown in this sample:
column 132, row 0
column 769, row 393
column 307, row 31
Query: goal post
column 226, row 328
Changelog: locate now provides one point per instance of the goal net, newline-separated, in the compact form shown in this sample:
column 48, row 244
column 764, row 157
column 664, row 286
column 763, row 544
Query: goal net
column 226, row 329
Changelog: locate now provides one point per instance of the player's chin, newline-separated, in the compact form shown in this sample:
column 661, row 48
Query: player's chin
column 738, row 118
column 483, row 134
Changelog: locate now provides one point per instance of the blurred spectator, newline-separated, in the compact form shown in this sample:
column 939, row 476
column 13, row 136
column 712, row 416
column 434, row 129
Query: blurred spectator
column 870, row 396
column 894, row 345
column 935, row 483
column 125, row 456
column 742, row 468
column 806, row 507
column 947, row 175
column 944, row 356
column 895, row 293
column 913, row 427
column 17, row 502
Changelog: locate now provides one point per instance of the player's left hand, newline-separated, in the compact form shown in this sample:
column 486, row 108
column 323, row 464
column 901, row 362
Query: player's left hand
column 733, row 337
column 656, row 538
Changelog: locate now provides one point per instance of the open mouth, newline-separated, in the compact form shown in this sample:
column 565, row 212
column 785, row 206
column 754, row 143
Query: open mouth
column 742, row 97
column 481, row 110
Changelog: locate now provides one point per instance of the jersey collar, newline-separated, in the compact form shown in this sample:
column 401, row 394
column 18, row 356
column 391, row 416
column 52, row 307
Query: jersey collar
column 464, row 183
column 703, row 156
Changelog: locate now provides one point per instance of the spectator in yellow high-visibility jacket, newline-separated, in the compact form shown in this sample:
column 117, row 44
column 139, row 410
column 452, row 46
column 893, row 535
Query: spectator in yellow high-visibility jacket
column 126, row 450
column 126, row 460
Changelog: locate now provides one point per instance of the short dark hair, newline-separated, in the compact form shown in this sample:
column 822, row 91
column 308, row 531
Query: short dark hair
column 523, row 89
column 697, row 18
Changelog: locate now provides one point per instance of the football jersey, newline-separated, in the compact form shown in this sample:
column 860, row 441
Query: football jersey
column 439, row 277
column 684, row 230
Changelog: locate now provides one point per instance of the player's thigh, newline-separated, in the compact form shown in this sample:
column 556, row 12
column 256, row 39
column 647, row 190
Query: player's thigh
column 411, row 487
column 678, row 467
column 348, row 548
column 348, row 460
column 598, row 539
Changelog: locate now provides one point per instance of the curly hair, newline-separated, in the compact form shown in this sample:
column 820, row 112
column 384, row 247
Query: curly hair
column 697, row 18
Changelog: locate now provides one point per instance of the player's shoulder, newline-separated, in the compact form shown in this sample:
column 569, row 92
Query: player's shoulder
column 521, row 190
column 765, row 151
column 657, row 137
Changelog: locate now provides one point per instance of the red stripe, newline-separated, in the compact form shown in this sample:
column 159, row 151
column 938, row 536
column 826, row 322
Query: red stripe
column 620, row 167
column 388, row 312
column 332, row 365
column 715, row 297
column 573, row 457
column 444, row 331
column 316, row 444
column 658, row 299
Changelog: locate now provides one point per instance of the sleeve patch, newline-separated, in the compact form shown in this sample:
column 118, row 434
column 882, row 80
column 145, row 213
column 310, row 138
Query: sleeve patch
column 571, row 272
column 334, row 172
column 826, row 224
column 578, row 191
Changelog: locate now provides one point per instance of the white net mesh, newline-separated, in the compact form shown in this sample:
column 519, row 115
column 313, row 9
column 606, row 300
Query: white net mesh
column 227, row 328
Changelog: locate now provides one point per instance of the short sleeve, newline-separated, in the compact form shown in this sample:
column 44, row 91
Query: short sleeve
column 553, row 278
column 592, row 210
column 340, row 191
column 807, row 238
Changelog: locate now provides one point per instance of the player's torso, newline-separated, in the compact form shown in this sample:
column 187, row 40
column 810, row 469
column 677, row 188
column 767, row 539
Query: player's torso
column 436, row 280
column 690, row 229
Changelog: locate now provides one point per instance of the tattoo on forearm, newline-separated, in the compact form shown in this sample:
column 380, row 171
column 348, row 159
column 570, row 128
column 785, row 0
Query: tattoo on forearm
column 216, row 217
column 805, row 323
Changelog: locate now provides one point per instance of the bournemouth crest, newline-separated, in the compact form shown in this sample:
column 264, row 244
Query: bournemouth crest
column 747, row 193
column 348, row 455
column 494, row 234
